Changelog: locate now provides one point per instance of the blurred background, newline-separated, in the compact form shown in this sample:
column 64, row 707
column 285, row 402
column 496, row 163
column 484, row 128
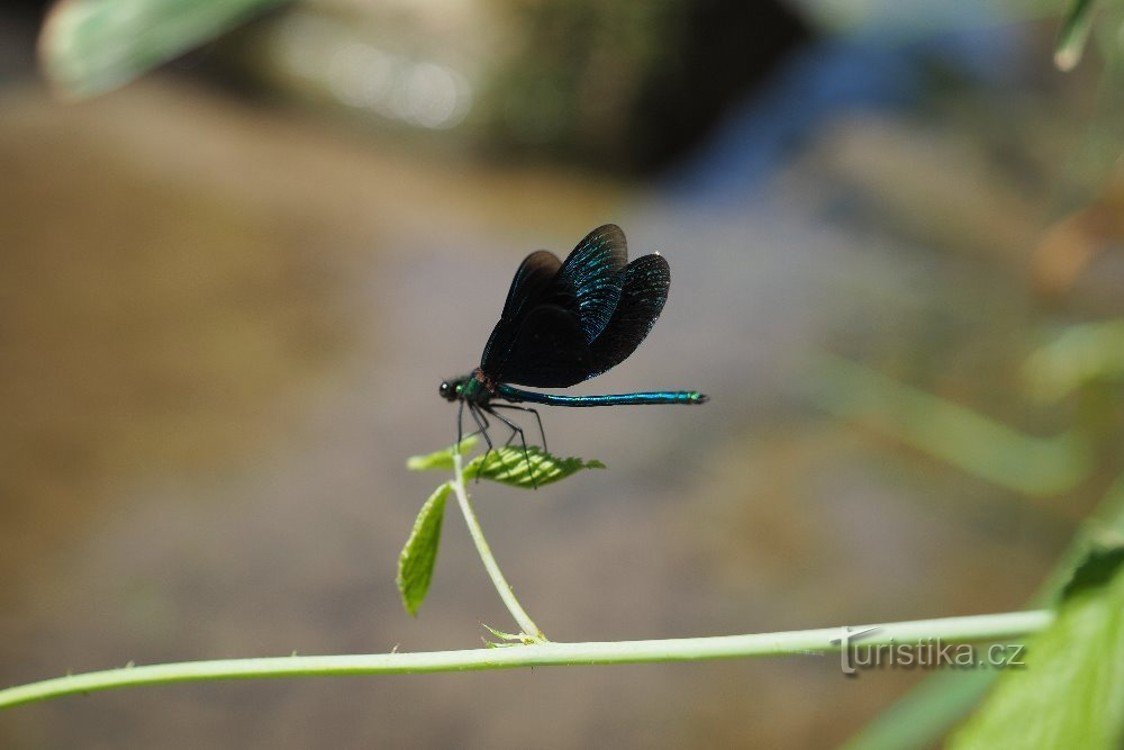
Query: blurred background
column 230, row 288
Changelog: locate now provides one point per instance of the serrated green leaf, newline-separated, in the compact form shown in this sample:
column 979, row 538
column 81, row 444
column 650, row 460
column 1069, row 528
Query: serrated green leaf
column 91, row 46
column 442, row 459
column 511, row 466
column 418, row 557
column 1071, row 691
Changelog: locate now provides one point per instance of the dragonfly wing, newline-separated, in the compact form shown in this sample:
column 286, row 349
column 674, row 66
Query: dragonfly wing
column 548, row 351
column 646, row 283
column 592, row 276
column 533, row 280
column 580, row 293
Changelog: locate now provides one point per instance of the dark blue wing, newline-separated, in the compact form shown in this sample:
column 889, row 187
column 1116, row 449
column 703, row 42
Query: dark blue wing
column 646, row 283
column 593, row 275
column 554, row 310
column 532, row 278
column 548, row 351
column 531, row 284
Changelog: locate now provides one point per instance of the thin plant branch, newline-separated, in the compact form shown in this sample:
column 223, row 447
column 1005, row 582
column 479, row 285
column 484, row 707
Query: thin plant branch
column 820, row 641
column 531, row 631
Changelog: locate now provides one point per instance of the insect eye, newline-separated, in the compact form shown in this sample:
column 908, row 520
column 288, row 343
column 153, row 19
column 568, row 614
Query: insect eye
column 449, row 390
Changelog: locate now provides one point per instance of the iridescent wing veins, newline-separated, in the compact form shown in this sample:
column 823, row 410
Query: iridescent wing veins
column 564, row 322
column 544, row 348
column 593, row 273
column 644, row 292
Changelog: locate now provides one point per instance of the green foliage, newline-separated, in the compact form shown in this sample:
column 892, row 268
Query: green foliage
column 983, row 447
column 442, row 459
column 1071, row 693
column 922, row 716
column 91, row 46
column 1079, row 356
column 507, row 465
column 1096, row 570
column 511, row 466
column 418, row 557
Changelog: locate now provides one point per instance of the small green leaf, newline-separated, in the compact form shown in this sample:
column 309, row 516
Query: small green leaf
column 513, row 467
column 442, row 459
column 415, row 563
column 1071, row 691
column 1074, row 35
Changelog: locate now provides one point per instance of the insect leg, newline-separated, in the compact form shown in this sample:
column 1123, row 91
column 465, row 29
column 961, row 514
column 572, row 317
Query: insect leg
column 477, row 417
column 532, row 411
column 482, row 425
column 516, row 429
column 460, row 424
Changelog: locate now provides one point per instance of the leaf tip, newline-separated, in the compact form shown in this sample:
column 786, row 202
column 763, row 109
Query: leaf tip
column 1067, row 58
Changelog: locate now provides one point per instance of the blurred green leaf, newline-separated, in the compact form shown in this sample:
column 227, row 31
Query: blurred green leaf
column 926, row 712
column 442, row 459
column 535, row 468
column 1071, row 692
column 89, row 47
column 1093, row 163
column 1081, row 354
column 1097, row 569
column 1074, row 35
column 418, row 557
column 969, row 440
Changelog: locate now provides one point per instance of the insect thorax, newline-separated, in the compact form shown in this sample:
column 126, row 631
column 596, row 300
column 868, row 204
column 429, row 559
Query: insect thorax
column 473, row 388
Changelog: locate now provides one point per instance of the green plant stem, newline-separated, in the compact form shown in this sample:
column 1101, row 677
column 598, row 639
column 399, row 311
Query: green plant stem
column 530, row 629
column 819, row 641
